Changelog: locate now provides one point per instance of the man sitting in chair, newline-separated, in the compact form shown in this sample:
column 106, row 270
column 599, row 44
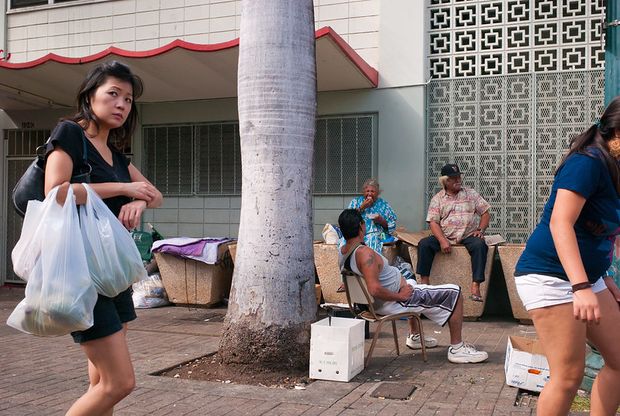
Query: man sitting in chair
column 393, row 294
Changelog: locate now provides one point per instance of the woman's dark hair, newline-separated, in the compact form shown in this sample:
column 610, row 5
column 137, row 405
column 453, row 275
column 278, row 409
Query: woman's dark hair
column 593, row 142
column 349, row 222
column 120, row 136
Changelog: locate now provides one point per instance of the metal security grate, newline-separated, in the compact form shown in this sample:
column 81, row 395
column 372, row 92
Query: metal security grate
column 21, row 146
column 343, row 155
column 205, row 159
column 507, row 134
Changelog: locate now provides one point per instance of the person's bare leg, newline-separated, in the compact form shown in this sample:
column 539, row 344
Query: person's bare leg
column 93, row 374
column 413, row 326
column 455, row 324
column 112, row 373
column 475, row 288
column 563, row 340
column 605, row 397
column 425, row 280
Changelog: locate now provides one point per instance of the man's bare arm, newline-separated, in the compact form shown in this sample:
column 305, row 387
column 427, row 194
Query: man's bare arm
column 369, row 264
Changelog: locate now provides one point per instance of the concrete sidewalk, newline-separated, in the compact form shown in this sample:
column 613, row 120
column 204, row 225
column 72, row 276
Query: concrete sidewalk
column 43, row 376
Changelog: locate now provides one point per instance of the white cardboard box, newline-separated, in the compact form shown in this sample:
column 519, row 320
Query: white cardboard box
column 526, row 366
column 336, row 350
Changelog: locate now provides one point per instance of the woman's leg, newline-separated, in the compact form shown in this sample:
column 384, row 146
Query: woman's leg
column 605, row 397
column 93, row 374
column 110, row 370
column 563, row 339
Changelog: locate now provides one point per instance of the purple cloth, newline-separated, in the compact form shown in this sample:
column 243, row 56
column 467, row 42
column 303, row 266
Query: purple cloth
column 200, row 249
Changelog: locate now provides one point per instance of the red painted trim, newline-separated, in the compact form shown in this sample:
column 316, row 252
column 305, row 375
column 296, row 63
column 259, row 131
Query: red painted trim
column 369, row 72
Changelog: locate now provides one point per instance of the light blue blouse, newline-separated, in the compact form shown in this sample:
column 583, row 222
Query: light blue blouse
column 376, row 234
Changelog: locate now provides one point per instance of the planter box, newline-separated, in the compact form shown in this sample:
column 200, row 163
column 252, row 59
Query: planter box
column 190, row 282
column 328, row 270
column 336, row 349
column 509, row 255
column 456, row 268
column 326, row 263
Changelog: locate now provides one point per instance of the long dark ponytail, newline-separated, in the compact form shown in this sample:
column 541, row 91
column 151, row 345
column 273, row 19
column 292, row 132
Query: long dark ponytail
column 596, row 137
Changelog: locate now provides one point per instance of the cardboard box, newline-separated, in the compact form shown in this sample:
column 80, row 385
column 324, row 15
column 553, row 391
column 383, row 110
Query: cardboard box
column 336, row 349
column 526, row 366
column 190, row 282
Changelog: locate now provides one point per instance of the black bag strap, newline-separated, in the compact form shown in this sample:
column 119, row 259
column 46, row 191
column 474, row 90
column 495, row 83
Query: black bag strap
column 45, row 149
column 347, row 257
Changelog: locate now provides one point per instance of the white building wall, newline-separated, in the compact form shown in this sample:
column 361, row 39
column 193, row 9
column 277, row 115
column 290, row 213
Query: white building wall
column 399, row 156
column 74, row 30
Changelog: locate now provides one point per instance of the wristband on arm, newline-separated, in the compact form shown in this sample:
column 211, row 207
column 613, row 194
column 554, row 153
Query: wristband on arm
column 581, row 286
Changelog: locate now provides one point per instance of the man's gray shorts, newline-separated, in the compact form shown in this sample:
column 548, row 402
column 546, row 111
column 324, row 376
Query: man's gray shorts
column 436, row 302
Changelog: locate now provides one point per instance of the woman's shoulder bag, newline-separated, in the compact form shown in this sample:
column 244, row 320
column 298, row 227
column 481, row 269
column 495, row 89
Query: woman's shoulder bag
column 31, row 184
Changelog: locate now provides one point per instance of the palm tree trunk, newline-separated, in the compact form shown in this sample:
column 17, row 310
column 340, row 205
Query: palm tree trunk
column 272, row 300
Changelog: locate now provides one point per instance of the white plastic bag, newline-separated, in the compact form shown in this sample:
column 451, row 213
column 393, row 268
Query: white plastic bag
column 330, row 235
column 60, row 296
column 28, row 247
column 113, row 258
column 150, row 293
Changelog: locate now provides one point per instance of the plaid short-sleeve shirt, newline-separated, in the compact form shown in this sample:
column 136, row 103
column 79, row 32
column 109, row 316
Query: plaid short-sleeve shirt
column 457, row 215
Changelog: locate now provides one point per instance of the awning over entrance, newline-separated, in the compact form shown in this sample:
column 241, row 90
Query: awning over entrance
column 178, row 71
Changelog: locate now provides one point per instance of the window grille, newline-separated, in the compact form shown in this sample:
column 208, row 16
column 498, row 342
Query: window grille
column 25, row 142
column 205, row 159
column 343, row 154
column 15, row 4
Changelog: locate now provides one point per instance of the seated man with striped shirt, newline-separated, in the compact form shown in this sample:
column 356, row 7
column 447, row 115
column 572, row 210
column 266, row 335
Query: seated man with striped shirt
column 393, row 294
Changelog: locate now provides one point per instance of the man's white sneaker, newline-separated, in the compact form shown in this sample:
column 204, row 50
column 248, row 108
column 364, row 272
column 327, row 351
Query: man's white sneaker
column 413, row 342
column 467, row 353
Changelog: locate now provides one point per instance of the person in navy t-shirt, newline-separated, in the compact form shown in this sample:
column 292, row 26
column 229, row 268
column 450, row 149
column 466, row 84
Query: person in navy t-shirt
column 560, row 276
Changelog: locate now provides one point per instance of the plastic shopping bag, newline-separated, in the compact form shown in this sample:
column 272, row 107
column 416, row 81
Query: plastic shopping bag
column 113, row 258
column 330, row 234
column 28, row 247
column 60, row 296
column 150, row 293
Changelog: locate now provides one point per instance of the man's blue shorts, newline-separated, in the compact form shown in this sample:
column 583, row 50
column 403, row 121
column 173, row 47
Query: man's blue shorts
column 109, row 316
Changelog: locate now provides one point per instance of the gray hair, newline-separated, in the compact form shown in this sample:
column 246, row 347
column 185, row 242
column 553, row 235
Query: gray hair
column 371, row 182
column 442, row 181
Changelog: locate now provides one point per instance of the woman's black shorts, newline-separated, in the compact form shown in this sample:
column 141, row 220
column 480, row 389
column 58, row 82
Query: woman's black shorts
column 109, row 316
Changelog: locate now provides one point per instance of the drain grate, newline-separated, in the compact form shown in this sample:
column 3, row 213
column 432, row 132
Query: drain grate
column 206, row 317
column 526, row 398
column 396, row 391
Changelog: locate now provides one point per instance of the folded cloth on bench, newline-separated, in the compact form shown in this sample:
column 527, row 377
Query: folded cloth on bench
column 199, row 249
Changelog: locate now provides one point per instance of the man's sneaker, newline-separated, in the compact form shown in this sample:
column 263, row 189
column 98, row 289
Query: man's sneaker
column 467, row 353
column 413, row 342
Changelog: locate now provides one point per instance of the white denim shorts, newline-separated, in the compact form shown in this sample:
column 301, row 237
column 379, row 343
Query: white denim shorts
column 538, row 291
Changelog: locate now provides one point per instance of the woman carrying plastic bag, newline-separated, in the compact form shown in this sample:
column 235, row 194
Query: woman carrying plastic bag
column 60, row 296
column 106, row 117
column 113, row 258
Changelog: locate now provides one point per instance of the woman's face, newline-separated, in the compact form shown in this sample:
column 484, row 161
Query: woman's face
column 371, row 192
column 111, row 102
column 614, row 146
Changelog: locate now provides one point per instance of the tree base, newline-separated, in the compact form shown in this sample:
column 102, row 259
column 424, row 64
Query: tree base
column 271, row 348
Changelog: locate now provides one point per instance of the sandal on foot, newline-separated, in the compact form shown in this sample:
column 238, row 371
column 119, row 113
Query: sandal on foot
column 340, row 288
column 475, row 298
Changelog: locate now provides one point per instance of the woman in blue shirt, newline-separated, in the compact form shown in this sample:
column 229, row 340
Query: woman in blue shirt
column 378, row 215
column 561, row 274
